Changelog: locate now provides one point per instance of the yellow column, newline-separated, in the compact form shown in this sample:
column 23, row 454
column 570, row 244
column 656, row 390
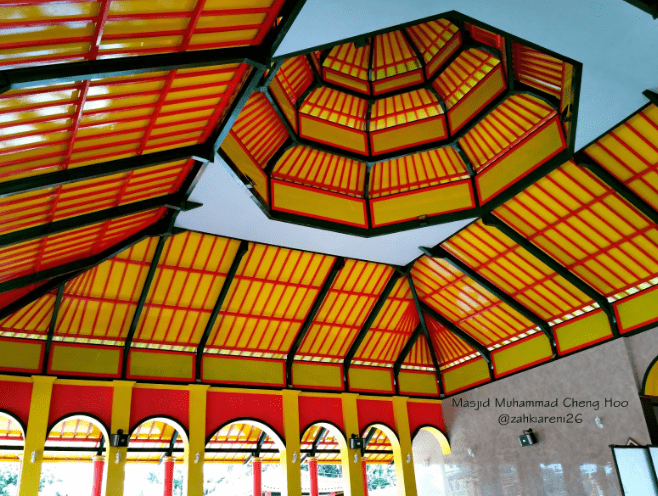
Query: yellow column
column 35, row 438
column 291, row 456
column 351, row 459
column 115, row 465
column 403, row 456
column 195, row 449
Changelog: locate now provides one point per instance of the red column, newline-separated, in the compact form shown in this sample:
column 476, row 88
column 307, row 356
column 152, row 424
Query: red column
column 97, row 484
column 169, row 476
column 365, row 477
column 256, row 464
column 313, row 473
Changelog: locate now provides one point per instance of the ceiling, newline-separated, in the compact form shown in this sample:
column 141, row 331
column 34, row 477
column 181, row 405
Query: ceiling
column 617, row 67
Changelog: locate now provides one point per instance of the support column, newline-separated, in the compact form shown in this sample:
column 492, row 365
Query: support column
column 97, row 484
column 196, row 448
column 168, row 475
column 351, row 459
column 256, row 464
column 365, row 476
column 115, row 468
column 403, row 457
column 291, row 482
column 35, row 437
column 313, row 475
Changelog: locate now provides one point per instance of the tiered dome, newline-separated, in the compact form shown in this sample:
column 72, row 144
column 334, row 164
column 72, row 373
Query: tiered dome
column 423, row 124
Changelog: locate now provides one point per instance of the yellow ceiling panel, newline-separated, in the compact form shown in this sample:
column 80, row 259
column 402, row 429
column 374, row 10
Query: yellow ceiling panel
column 630, row 153
column 259, row 129
column 431, row 37
column 349, row 60
column 463, row 74
column 319, row 169
column 450, row 350
column 392, row 55
column 505, row 127
column 337, row 107
column 401, row 109
column 99, row 305
column 588, row 228
column 391, row 329
column 270, row 296
column 185, row 287
column 511, row 268
column 537, row 69
column 419, row 356
column 37, row 32
column 108, row 118
column 39, row 254
column 344, row 310
column 32, row 320
column 413, row 172
column 39, row 207
column 469, row 306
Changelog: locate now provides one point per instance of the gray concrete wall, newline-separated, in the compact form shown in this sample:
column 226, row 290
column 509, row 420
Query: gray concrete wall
column 570, row 458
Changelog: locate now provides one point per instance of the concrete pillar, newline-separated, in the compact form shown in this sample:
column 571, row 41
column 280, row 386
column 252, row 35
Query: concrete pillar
column 35, row 438
column 291, row 482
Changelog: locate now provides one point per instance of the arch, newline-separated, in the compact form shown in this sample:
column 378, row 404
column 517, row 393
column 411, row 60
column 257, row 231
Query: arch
column 182, row 431
column 650, row 380
column 385, row 428
column 84, row 416
column 11, row 416
column 331, row 426
column 440, row 436
column 277, row 438
column 335, row 431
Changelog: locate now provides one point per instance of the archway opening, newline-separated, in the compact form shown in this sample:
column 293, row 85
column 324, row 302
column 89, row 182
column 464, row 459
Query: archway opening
column 323, row 449
column 12, row 439
column 240, row 456
column 155, row 459
column 429, row 445
column 74, row 457
column 378, row 460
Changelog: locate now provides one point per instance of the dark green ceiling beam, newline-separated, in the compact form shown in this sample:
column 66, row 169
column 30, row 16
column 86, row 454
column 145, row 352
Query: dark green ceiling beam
column 173, row 201
column 339, row 263
column 27, row 77
column 235, row 264
column 426, row 333
column 372, row 316
column 94, row 171
column 584, row 160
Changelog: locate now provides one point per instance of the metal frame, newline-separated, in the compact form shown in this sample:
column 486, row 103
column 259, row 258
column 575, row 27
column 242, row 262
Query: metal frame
column 51, row 331
column 339, row 263
column 143, row 295
column 242, row 250
column 428, row 338
column 403, row 356
column 67, row 176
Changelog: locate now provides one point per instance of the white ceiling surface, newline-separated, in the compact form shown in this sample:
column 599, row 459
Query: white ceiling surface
column 617, row 44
